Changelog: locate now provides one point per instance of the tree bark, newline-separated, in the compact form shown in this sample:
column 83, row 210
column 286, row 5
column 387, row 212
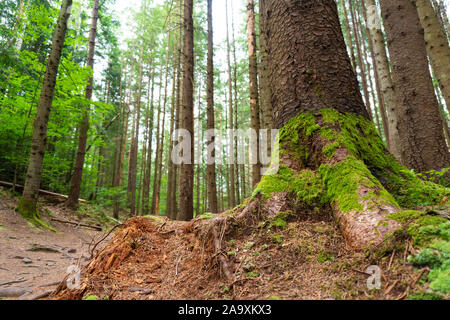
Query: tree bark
column 254, row 94
column 211, row 167
column 185, row 211
column 437, row 46
column 230, row 116
column 75, row 187
column 28, row 204
column 423, row 148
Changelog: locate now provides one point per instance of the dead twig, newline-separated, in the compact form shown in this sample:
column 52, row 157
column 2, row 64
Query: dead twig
column 106, row 236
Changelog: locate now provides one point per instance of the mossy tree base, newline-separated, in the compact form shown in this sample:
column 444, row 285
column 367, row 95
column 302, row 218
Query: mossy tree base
column 29, row 211
column 339, row 160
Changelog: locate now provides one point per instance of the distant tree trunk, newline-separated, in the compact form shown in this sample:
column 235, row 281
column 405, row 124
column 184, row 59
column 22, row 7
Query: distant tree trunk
column 381, row 101
column 187, row 169
column 266, row 92
column 28, row 204
column 75, row 187
column 171, row 167
column 349, row 36
column 211, row 167
column 236, row 124
column 230, row 116
column 360, row 60
column 423, row 147
column 437, row 46
column 386, row 84
column 254, row 95
column 442, row 15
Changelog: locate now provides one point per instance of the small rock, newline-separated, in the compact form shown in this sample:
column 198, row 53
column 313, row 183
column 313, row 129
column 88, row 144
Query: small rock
column 26, row 260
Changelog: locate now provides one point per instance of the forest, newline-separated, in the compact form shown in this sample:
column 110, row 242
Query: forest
column 225, row 149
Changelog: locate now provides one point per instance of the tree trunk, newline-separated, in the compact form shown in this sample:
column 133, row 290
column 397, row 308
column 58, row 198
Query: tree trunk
column 437, row 46
column 254, row 95
column 187, row 115
column 331, row 153
column 211, row 167
column 423, row 148
column 75, row 187
column 349, row 36
column 230, row 116
column 132, row 180
column 360, row 59
column 28, row 204
column 266, row 92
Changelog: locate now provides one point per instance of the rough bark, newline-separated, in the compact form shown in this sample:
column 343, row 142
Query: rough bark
column 381, row 101
column 437, row 46
column 230, row 115
column 254, row 94
column 423, row 147
column 351, row 165
column 135, row 143
column 361, row 64
column 28, row 203
column 211, row 167
column 75, row 187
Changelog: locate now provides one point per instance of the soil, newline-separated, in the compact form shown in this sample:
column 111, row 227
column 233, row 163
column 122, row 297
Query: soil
column 34, row 260
column 153, row 258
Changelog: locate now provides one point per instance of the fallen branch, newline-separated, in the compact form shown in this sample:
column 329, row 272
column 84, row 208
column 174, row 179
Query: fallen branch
column 42, row 192
column 98, row 228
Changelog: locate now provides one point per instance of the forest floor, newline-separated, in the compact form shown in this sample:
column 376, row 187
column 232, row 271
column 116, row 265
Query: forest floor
column 34, row 260
column 301, row 257
column 153, row 258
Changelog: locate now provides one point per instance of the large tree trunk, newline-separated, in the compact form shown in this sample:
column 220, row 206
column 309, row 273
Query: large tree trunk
column 330, row 152
column 423, row 147
column 254, row 94
column 211, row 167
column 187, row 115
column 75, row 187
column 437, row 46
column 28, row 204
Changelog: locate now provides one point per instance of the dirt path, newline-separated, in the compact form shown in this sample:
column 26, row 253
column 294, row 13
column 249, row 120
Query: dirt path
column 33, row 260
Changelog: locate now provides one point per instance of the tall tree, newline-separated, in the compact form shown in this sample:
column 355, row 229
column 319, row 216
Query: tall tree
column 75, row 187
column 318, row 105
column 254, row 94
column 28, row 204
column 437, row 46
column 211, row 167
column 423, row 148
column 230, row 114
column 185, row 211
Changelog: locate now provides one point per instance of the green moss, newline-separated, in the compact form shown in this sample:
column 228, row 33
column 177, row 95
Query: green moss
column 360, row 137
column 277, row 238
column 422, row 295
column 91, row 297
column 280, row 220
column 324, row 256
column 28, row 210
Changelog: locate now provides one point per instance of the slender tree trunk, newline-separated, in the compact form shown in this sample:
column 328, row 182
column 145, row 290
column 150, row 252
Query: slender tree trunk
column 75, row 187
column 132, row 177
column 230, row 116
column 254, row 95
column 360, row 60
column 28, row 204
column 349, row 36
column 148, row 170
column 266, row 93
column 211, row 167
column 236, row 124
column 423, row 148
column 381, row 101
column 386, row 83
column 187, row 169
column 437, row 46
